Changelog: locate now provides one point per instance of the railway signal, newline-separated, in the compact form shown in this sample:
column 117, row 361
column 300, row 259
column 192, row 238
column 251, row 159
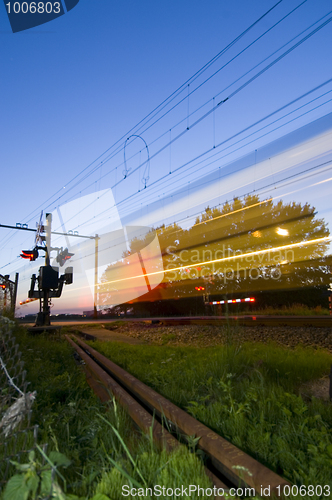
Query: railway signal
column 30, row 254
column 63, row 256
column 48, row 283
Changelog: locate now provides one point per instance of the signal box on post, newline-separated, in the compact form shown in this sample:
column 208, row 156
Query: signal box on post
column 48, row 277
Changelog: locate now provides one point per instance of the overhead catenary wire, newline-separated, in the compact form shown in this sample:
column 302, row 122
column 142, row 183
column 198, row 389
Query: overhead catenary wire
column 223, row 67
column 273, row 113
column 166, row 177
column 235, row 92
column 170, row 97
column 191, row 114
column 134, row 194
column 140, row 165
column 291, row 179
column 211, row 149
column 286, row 181
column 166, row 146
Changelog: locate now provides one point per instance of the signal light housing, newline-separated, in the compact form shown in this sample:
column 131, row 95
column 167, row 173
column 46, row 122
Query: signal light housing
column 30, row 254
column 63, row 256
column 68, row 275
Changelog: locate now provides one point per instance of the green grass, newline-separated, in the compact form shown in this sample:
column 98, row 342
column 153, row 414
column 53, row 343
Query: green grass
column 93, row 436
column 168, row 337
column 249, row 395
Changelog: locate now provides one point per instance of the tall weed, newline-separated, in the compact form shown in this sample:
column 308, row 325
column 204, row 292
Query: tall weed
column 249, row 395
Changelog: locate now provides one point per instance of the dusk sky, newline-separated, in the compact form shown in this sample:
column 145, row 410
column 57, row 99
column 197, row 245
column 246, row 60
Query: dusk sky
column 74, row 89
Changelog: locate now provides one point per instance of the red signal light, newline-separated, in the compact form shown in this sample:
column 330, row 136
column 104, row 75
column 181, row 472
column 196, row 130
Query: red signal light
column 30, row 254
column 63, row 257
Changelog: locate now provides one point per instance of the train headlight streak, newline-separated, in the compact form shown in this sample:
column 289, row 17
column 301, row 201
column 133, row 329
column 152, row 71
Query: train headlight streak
column 282, row 232
column 232, row 258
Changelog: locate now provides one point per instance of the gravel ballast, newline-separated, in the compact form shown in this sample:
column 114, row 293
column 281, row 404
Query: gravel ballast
column 210, row 335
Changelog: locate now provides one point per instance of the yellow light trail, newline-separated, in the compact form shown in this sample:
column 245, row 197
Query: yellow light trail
column 225, row 259
column 234, row 212
column 255, row 204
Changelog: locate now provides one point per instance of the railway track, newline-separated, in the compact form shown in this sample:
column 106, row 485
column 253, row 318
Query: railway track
column 314, row 321
column 228, row 466
column 248, row 320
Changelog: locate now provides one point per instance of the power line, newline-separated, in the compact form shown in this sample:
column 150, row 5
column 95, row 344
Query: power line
column 232, row 94
column 311, row 171
column 187, row 96
column 218, row 159
column 159, row 107
column 131, row 196
column 223, row 142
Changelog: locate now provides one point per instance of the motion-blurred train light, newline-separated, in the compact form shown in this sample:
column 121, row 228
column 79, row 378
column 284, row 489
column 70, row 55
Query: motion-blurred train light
column 30, row 254
column 27, row 301
column 232, row 301
column 282, row 232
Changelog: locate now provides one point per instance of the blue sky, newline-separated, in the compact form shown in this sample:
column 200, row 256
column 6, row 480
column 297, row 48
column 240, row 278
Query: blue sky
column 73, row 87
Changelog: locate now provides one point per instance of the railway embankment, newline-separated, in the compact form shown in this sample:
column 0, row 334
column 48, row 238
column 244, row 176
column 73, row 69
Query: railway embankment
column 200, row 335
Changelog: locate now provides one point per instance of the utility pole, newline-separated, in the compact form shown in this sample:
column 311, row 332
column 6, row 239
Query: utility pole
column 9, row 290
column 95, row 294
column 13, row 305
column 43, row 317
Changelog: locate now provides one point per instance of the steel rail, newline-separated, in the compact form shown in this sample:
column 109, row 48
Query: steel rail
column 249, row 320
column 140, row 416
column 105, row 386
column 234, row 464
